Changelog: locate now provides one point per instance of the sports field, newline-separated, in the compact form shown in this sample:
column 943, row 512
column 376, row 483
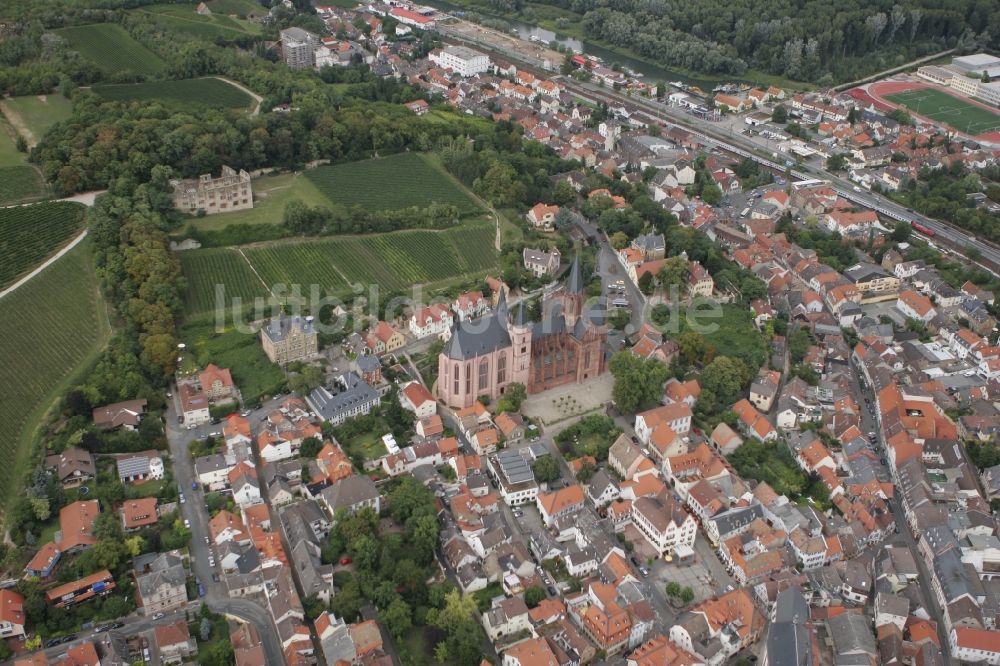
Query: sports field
column 187, row 92
column 111, row 49
column 392, row 183
column 51, row 327
column 944, row 108
column 393, row 261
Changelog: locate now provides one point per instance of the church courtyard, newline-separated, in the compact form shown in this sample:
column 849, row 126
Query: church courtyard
column 570, row 401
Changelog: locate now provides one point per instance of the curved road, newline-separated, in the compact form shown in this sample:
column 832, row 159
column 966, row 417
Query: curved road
column 45, row 264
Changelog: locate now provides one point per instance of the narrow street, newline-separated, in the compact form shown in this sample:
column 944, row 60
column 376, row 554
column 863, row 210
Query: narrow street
column 903, row 537
column 217, row 596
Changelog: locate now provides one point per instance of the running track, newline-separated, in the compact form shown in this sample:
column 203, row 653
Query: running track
column 874, row 94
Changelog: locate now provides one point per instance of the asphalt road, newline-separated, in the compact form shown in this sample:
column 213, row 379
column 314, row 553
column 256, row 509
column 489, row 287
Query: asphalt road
column 217, row 596
column 133, row 624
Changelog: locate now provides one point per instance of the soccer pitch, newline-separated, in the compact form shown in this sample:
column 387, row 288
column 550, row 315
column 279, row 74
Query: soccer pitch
column 942, row 107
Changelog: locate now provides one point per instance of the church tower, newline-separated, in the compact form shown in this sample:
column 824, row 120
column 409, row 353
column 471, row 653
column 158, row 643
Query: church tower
column 520, row 341
column 574, row 294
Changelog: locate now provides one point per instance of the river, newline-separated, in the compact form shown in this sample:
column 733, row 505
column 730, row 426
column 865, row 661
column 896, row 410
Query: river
column 647, row 72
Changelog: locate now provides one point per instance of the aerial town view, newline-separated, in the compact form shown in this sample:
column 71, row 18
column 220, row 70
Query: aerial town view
column 499, row 333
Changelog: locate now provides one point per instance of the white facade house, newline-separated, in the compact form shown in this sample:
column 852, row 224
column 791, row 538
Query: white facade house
column 213, row 471
column 676, row 415
column 974, row 646
column 461, row 60
column 431, row 320
column 246, row 491
column 416, row 398
column 665, row 525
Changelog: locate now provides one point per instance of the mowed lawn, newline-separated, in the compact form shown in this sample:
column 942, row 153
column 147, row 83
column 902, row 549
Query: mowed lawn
column 111, row 49
column 944, row 108
column 270, row 195
column 391, row 183
column 51, row 327
column 39, row 112
column 186, row 93
column 393, row 261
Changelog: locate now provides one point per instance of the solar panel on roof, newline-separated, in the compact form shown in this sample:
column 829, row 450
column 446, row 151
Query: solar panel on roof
column 133, row 466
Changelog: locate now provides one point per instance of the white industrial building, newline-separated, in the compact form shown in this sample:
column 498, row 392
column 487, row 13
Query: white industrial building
column 461, row 60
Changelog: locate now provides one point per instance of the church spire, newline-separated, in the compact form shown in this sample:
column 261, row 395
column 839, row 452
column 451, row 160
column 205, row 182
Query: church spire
column 575, row 285
column 502, row 304
column 521, row 316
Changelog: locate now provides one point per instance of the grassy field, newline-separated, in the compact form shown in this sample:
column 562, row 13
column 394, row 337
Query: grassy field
column 238, row 7
column 112, row 49
column 206, row 268
column 39, row 112
column 184, row 19
column 270, row 195
column 31, row 234
column 18, row 181
column 394, row 261
column 944, row 108
column 734, row 333
column 51, row 327
column 391, row 183
column 240, row 352
column 19, row 184
column 186, row 93
column 9, row 155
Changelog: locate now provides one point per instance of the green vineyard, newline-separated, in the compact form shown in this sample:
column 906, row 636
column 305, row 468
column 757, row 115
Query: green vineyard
column 391, row 183
column 112, row 49
column 184, row 19
column 393, row 261
column 31, row 234
column 206, row 268
column 204, row 92
column 50, row 326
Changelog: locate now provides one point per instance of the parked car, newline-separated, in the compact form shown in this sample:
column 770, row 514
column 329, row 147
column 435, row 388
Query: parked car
column 207, row 541
column 157, row 616
column 182, row 498
column 187, row 523
column 344, row 561
column 194, row 485
column 644, row 571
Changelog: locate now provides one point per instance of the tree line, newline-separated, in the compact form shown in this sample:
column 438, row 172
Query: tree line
column 812, row 40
